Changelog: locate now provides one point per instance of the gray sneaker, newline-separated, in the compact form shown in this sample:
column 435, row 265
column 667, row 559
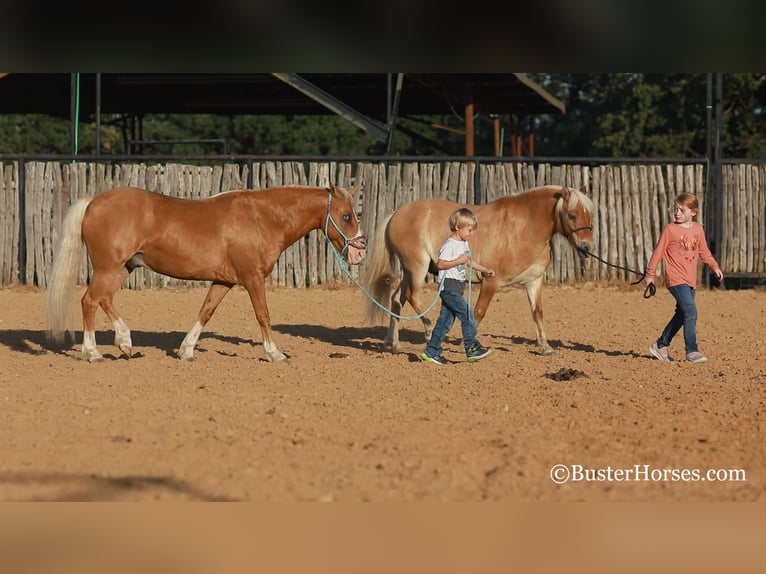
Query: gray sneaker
column 696, row 357
column 660, row 353
column 477, row 353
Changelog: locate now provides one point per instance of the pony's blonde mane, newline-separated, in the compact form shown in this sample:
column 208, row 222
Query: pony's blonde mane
column 575, row 197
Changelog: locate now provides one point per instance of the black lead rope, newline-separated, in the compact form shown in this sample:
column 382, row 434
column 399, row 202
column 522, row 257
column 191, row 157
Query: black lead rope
column 650, row 289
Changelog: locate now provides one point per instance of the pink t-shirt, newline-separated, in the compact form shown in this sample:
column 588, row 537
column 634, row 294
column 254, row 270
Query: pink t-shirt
column 680, row 247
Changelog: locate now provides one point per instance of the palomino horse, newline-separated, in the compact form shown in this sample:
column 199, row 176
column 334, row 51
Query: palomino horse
column 513, row 238
column 233, row 238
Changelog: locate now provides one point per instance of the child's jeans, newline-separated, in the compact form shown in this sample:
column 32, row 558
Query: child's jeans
column 453, row 307
column 685, row 316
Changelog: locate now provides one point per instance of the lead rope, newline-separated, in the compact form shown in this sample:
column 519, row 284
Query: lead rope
column 347, row 272
column 650, row 289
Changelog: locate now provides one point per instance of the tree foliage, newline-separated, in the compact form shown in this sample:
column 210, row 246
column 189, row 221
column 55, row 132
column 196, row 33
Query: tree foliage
column 651, row 115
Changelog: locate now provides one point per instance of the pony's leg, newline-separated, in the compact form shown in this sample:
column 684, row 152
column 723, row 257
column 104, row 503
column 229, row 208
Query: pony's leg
column 122, row 339
column 412, row 293
column 486, row 292
column 214, row 296
column 397, row 303
column 102, row 287
column 534, row 292
column 256, row 288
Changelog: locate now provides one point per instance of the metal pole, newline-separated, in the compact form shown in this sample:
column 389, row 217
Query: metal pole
column 469, row 122
column 98, row 114
column 718, row 176
column 73, row 113
column 710, row 222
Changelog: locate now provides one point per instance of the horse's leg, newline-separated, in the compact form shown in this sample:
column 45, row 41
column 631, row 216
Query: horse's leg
column 214, row 296
column 487, row 290
column 122, row 338
column 534, row 294
column 397, row 301
column 412, row 294
column 256, row 288
column 102, row 287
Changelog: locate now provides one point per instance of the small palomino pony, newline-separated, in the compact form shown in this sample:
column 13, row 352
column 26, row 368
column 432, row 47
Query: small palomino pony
column 513, row 238
column 233, row 238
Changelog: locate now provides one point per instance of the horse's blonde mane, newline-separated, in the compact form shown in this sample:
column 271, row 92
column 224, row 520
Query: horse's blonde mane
column 576, row 196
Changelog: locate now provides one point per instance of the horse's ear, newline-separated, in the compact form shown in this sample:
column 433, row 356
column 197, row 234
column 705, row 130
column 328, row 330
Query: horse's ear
column 563, row 194
column 333, row 189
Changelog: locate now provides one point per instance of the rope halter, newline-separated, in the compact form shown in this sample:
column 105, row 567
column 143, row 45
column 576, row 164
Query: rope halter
column 358, row 242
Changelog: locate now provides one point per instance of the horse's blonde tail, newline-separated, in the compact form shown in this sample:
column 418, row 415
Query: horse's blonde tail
column 62, row 283
column 378, row 278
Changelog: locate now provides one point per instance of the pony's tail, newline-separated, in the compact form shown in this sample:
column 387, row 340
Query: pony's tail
column 378, row 278
column 62, row 283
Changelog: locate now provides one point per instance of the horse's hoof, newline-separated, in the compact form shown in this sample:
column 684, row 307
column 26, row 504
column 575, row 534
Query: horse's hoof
column 95, row 359
column 548, row 352
column 126, row 350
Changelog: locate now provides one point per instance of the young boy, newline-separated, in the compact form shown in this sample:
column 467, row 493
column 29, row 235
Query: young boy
column 682, row 242
column 454, row 258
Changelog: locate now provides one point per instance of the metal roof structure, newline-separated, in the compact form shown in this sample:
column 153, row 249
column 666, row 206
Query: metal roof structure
column 373, row 101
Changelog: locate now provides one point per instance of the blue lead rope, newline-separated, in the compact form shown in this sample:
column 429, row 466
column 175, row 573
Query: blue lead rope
column 347, row 272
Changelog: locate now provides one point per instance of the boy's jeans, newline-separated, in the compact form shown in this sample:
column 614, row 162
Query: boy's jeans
column 453, row 307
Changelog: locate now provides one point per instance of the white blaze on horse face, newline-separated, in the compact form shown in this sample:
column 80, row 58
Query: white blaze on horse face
column 355, row 255
column 186, row 350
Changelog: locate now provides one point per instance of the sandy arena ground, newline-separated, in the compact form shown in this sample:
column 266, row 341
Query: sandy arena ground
column 343, row 420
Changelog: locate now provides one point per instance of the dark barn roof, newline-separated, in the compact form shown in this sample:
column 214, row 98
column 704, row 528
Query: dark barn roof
column 373, row 102
column 235, row 94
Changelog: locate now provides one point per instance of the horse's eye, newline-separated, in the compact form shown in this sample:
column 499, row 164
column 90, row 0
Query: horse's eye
column 572, row 217
column 346, row 218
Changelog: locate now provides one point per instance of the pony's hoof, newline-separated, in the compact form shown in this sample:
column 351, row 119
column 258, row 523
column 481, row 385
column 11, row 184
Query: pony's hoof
column 390, row 347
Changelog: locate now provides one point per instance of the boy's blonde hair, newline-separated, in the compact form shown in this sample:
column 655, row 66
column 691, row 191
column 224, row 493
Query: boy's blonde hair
column 462, row 218
column 690, row 201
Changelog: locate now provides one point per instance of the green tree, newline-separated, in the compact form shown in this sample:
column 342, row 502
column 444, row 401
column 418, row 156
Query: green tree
column 650, row 115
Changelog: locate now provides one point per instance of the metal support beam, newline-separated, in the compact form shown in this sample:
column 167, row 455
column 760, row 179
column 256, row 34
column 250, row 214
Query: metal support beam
column 332, row 103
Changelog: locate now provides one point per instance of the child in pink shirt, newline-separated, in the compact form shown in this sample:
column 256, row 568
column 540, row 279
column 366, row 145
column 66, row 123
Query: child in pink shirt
column 681, row 244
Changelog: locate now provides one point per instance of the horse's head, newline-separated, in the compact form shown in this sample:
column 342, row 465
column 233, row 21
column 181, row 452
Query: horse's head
column 342, row 225
column 574, row 218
